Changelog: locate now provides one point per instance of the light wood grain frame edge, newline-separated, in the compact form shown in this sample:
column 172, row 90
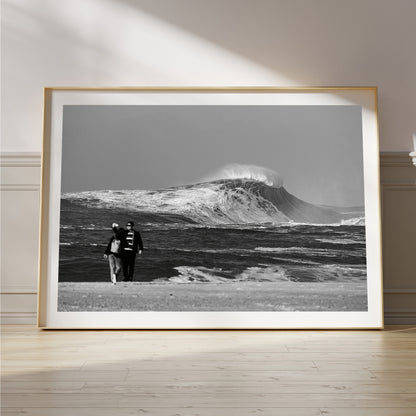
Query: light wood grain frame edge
column 44, row 209
column 380, row 220
column 45, row 185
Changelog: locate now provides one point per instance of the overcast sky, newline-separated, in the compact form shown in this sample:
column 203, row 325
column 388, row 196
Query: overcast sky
column 317, row 150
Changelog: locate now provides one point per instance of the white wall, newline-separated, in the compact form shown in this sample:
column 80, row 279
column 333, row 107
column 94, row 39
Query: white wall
column 188, row 42
column 201, row 42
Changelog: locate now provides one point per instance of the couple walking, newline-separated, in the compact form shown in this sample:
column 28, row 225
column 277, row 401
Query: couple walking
column 121, row 251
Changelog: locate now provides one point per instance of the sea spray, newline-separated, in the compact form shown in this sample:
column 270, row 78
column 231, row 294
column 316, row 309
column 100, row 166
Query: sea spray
column 247, row 172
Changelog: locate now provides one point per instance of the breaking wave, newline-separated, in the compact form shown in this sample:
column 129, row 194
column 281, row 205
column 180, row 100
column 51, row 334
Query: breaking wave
column 242, row 195
column 268, row 273
column 200, row 274
column 353, row 221
column 248, row 172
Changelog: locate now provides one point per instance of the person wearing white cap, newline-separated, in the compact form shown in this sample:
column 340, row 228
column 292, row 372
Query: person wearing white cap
column 114, row 253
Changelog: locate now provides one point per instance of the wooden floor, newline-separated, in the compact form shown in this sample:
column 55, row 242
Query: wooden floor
column 172, row 373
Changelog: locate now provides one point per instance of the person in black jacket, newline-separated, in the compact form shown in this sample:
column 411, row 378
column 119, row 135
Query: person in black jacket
column 114, row 253
column 133, row 245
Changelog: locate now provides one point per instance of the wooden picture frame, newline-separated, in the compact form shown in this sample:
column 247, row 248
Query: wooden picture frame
column 228, row 242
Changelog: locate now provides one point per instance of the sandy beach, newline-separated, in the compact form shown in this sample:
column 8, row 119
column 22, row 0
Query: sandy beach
column 247, row 296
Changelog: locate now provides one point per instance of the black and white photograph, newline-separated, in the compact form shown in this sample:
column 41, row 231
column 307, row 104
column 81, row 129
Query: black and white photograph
column 212, row 208
column 219, row 207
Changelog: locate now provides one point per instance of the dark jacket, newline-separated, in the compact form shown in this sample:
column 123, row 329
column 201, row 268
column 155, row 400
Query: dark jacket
column 137, row 239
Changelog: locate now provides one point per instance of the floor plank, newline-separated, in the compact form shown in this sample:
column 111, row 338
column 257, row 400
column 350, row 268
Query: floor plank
column 142, row 411
column 208, row 373
column 244, row 399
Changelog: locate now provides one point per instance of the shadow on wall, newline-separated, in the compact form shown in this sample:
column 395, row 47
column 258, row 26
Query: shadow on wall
column 315, row 42
column 310, row 41
column 237, row 42
column 322, row 43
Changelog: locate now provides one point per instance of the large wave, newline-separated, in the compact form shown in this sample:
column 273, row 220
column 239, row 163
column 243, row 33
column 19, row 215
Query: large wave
column 247, row 172
column 234, row 200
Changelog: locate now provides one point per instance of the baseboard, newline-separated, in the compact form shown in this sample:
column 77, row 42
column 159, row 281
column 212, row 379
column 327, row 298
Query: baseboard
column 30, row 318
column 400, row 317
column 18, row 318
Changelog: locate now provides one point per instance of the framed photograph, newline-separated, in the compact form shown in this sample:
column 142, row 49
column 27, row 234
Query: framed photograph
column 210, row 208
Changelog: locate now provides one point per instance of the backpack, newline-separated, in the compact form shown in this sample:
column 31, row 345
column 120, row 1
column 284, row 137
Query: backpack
column 115, row 246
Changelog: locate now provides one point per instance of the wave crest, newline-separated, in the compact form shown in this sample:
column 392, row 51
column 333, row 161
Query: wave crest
column 248, row 172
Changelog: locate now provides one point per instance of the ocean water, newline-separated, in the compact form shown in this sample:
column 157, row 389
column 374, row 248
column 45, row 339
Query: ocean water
column 224, row 231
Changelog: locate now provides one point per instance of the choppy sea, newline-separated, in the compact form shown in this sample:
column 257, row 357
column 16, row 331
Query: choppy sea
column 222, row 231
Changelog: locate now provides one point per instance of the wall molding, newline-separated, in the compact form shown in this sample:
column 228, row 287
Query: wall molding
column 399, row 175
column 400, row 317
column 409, row 291
column 33, row 159
column 413, row 156
column 20, row 159
column 19, row 187
column 18, row 318
column 398, row 186
column 396, row 159
column 11, row 290
column 386, row 188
